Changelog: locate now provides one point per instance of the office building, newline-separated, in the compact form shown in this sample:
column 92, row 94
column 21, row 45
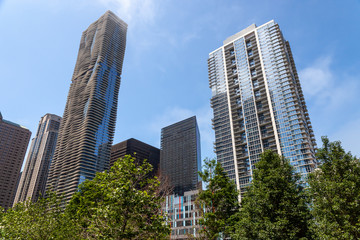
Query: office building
column 34, row 176
column 258, row 103
column 182, row 215
column 14, row 140
column 88, row 124
column 180, row 158
column 137, row 149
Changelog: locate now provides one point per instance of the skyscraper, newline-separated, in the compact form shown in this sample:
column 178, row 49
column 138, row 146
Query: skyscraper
column 180, row 157
column 258, row 103
column 137, row 149
column 34, row 176
column 87, row 129
column 14, row 140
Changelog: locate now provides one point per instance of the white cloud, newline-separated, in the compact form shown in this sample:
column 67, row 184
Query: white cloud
column 316, row 78
column 326, row 88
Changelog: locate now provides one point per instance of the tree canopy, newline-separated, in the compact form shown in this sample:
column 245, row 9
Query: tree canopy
column 43, row 219
column 123, row 203
column 275, row 205
column 219, row 202
column 335, row 191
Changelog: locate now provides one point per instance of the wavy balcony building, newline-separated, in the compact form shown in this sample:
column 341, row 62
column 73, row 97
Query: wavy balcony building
column 87, row 129
column 258, row 103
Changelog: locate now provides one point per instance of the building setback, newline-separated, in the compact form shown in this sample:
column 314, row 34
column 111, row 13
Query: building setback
column 87, row 129
column 258, row 103
column 180, row 158
column 34, row 176
column 14, row 140
column 137, row 149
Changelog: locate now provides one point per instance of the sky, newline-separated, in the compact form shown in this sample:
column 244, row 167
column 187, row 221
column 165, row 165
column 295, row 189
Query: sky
column 165, row 76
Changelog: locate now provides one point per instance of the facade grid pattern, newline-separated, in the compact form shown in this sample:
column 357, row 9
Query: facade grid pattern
column 265, row 103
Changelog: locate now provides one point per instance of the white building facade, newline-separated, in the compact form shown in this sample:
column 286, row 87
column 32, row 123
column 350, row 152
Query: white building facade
column 258, row 103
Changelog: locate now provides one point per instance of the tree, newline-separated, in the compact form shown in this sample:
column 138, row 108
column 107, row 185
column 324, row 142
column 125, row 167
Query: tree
column 275, row 205
column 43, row 219
column 123, row 203
column 335, row 190
column 218, row 203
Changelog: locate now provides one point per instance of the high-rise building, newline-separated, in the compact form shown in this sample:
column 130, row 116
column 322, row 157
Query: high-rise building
column 34, row 176
column 258, row 103
column 88, row 124
column 14, row 140
column 180, row 157
column 139, row 150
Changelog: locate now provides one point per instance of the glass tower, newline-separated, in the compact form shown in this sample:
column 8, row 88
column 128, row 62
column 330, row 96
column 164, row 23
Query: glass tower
column 87, row 129
column 33, row 179
column 258, row 103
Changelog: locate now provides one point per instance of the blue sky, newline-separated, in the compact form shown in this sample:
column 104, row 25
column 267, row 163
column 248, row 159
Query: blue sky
column 165, row 75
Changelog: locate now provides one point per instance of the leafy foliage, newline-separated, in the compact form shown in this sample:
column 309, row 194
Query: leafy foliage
column 41, row 220
column 275, row 205
column 123, row 203
column 219, row 202
column 335, row 189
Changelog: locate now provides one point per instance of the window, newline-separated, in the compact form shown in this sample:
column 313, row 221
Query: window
column 250, row 53
column 257, row 93
column 253, row 72
column 234, row 70
column 233, row 61
column 255, row 83
column 238, row 101
column 252, row 62
column 232, row 52
column 248, row 43
column 236, row 81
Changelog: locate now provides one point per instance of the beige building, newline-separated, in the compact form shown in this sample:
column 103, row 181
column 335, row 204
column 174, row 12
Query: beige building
column 33, row 179
column 14, row 140
column 87, row 128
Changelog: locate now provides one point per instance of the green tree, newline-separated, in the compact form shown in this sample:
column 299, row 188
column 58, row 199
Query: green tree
column 123, row 203
column 335, row 190
column 41, row 220
column 275, row 205
column 218, row 203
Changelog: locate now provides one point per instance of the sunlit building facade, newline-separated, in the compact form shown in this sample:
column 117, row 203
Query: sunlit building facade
column 34, row 176
column 87, row 129
column 14, row 140
column 258, row 103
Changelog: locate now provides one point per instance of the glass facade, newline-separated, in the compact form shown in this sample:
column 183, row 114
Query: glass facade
column 264, row 107
column 180, row 156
